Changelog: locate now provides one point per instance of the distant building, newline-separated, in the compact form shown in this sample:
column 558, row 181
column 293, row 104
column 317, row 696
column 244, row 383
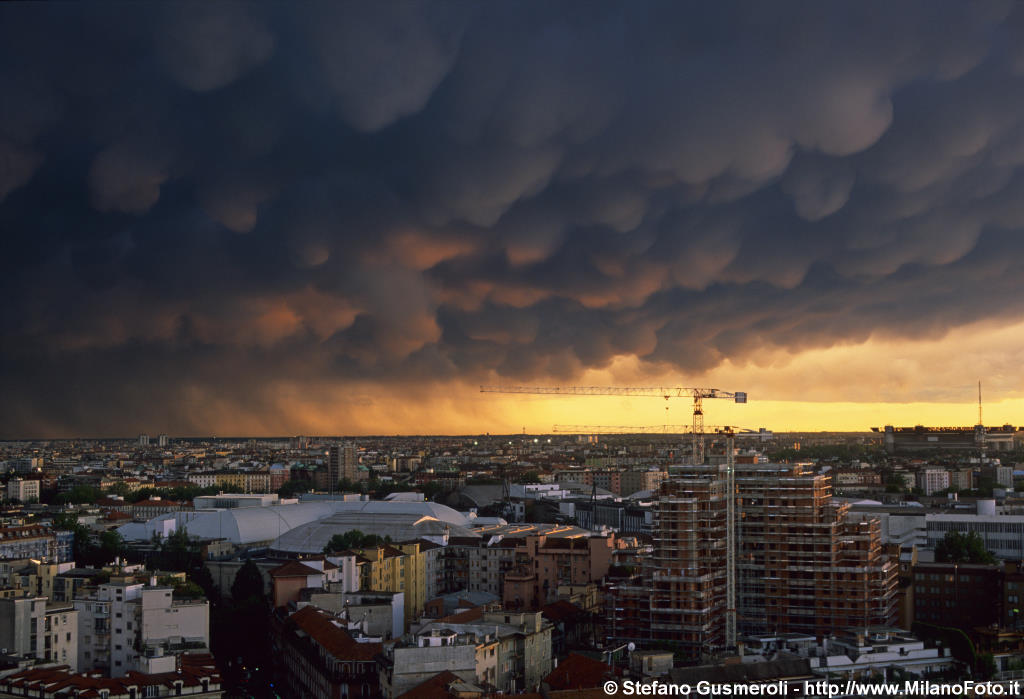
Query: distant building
column 22, row 490
column 633, row 481
column 161, row 441
column 958, row 594
column 933, row 480
column 143, row 440
column 343, row 464
column 920, row 438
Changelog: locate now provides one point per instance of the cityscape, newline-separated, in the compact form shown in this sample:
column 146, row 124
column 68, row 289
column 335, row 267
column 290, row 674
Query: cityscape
column 429, row 349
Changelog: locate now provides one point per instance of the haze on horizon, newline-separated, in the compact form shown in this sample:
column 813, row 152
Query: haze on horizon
column 342, row 218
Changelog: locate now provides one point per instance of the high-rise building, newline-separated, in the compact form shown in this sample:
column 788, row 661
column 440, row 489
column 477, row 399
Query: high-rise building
column 161, row 440
column 800, row 565
column 143, row 440
column 342, row 464
column 687, row 574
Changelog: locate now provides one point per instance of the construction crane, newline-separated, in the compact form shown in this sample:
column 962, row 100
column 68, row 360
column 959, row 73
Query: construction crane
column 697, row 394
column 636, row 429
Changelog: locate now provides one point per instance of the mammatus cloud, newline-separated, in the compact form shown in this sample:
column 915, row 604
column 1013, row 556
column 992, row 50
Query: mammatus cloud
column 229, row 206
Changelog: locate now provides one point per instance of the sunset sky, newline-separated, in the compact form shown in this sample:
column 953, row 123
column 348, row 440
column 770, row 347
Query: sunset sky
column 342, row 218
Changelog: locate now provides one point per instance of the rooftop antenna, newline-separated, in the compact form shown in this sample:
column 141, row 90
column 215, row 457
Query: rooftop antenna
column 980, row 429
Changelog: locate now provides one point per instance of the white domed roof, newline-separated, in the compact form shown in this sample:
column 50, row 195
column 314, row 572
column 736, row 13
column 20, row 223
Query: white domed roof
column 248, row 525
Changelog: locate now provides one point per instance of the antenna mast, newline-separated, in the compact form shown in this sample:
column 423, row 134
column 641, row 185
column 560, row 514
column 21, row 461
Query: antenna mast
column 980, row 429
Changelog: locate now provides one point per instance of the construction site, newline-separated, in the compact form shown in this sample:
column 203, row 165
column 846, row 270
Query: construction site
column 745, row 550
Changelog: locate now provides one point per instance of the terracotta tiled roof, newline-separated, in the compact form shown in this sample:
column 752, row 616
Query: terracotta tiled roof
column 293, row 569
column 466, row 617
column 157, row 503
column 194, row 668
column 434, row 688
column 334, row 639
column 561, row 611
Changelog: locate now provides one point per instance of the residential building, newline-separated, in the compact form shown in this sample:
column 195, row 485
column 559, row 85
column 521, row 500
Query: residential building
column 958, row 594
column 196, row 676
column 624, row 518
column 319, row 659
column 21, row 625
column 634, row 481
column 933, row 480
column 245, row 481
column 343, row 464
column 548, row 555
column 36, row 541
column 507, row 651
column 23, row 490
column 396, row 568
column 126, row 626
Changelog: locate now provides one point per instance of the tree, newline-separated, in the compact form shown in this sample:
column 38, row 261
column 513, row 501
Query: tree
column 291, row 488
column 80, row 495
column 178, row 552
column 963, row 548
column 65, row 521
column 201, row 576
column 354, row 539
column 111, row 545
column 248, row 583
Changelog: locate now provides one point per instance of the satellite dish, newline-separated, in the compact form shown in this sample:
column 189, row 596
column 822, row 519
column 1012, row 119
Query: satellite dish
column 631, row 647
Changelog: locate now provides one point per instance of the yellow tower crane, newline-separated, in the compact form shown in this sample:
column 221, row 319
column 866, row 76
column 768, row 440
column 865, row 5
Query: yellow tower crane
column 697, row 394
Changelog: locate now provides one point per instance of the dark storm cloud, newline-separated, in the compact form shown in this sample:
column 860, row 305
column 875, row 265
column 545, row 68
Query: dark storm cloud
column 200, row 198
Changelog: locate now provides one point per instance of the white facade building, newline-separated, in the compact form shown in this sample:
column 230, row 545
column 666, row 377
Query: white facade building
column 127, row 625
column 22, row 490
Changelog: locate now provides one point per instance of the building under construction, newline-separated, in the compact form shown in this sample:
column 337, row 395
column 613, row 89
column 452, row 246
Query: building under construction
column 800, row 566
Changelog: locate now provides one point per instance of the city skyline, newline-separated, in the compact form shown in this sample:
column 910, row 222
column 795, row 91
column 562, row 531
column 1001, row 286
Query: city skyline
column 266, row 219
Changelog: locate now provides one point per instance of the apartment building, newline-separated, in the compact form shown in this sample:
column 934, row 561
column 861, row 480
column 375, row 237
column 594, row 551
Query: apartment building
column 36, row 541
column 196, row 675
column 320, row 659
column 396, row 568
column 958, row 594
column 933, row 480
column 131, row 626
column 505, row 651
column 245, row 481
column 635, row 481
column 548, row 555
column 31, row 627
column 23, row 490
